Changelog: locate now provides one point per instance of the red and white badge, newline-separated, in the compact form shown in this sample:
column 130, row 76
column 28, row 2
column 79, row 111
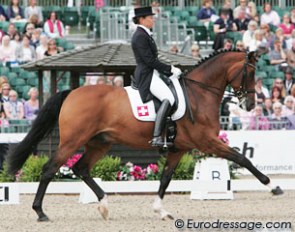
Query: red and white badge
column 142, row 111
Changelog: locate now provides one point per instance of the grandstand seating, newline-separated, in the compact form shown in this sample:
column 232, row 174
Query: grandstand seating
column 71, row 16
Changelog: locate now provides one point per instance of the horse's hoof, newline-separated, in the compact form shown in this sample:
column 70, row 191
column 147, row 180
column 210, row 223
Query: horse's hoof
column 103, row 208
column 166, row 215
column 43, row 219
column 104, row 212
column 277, row 191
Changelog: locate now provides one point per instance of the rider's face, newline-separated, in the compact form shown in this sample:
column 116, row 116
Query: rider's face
column 148, row 21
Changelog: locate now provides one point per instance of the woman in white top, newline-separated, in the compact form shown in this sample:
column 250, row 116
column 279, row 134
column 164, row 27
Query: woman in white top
column 248, row 35
column 14, row 109
column 33, row 9
column 26, row 53
column 257, row 40
column 7, row 52
column 42, row 48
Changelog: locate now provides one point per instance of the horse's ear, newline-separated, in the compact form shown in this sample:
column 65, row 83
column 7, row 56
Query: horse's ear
column 260, row 51
column 255, row 55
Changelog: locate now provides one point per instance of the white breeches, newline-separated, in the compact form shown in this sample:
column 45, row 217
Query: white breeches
column 160, row 90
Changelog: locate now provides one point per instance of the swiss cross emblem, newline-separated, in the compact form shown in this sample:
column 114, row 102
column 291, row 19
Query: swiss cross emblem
column 142, row 111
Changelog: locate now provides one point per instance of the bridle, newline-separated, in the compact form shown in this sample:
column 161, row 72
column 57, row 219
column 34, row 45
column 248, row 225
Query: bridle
column 243, row 90
column 240, row 93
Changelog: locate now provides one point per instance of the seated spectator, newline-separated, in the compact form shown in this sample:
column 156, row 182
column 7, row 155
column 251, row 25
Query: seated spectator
column 258, row 121
column 240, row 45
column 249, row 34
column 269, row 16
column 221, row 26
column 277, row 56
column 29, row 29
column 257, row 40
column 52, row 49
column 118, row 81
column 5, row 91
column 33, row 9
column 242, row 22
column 292, row 16
column 14, row 109
column 205, row 13
column 16, row 41
column 7, row 52
column 287, row 26
column 276, row 95
column 290, row 57
column 53, row 27
column 288, row 81
column 227, row 5
column 278, row 82
column 268, row 35
column 227, row 44
column 31, row 106
column 26, row 52
column 279, row 35
column 278, row 121
column 156, row 9
column 260, row 91
column 288, row 107
column 42, row 48
column 253, row 15
column 267, row 107
column 3, row 16
column 174, row 49
column 243, row 6
column 15, row 12
column 195, row 51
column 35, row 39
column 11, row 30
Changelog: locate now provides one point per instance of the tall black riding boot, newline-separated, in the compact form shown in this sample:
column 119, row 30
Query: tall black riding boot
column 159, row 123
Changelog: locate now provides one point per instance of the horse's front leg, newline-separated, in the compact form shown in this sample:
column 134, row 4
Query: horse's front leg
column 171, row 163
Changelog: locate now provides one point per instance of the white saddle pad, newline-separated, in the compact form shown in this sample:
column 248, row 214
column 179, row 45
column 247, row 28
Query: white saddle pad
column 146, row 111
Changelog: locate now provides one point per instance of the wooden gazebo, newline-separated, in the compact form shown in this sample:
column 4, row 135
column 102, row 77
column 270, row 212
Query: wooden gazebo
column 107, row 57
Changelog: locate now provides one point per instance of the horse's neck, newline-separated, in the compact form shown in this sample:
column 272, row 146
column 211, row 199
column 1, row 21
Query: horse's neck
column 213, row 76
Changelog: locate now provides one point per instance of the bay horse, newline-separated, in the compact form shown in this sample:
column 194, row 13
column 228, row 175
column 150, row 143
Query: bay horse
column 98, row 116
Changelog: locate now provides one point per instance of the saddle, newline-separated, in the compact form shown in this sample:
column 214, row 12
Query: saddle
column 147, row 111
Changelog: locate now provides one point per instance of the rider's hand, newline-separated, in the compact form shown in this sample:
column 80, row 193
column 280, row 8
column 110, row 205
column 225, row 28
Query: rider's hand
column 175, row 71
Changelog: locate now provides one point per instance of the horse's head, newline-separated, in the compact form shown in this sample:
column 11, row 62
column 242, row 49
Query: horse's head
column 243, row 82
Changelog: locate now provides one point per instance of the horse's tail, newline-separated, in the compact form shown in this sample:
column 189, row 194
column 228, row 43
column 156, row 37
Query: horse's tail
column 42, row 126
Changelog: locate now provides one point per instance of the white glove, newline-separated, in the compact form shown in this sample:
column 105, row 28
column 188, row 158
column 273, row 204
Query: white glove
column 175, row 71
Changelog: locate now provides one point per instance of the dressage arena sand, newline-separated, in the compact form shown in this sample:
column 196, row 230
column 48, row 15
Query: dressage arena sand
column 134, row 212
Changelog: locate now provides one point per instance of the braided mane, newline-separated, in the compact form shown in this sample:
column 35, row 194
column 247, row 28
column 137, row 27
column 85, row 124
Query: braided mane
column 212, row 55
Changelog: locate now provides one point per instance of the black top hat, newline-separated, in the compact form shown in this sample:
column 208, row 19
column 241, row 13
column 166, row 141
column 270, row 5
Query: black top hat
column 143, row 11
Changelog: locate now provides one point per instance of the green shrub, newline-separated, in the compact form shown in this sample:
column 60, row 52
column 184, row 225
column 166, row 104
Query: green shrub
column 185, row 168
column 4, row 176
column 107, row 168
column 32, row 169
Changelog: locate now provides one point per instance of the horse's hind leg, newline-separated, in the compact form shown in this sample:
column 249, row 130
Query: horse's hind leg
column 82, row 169
column 171, row 163
column 48, row 172
column 222, row 150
